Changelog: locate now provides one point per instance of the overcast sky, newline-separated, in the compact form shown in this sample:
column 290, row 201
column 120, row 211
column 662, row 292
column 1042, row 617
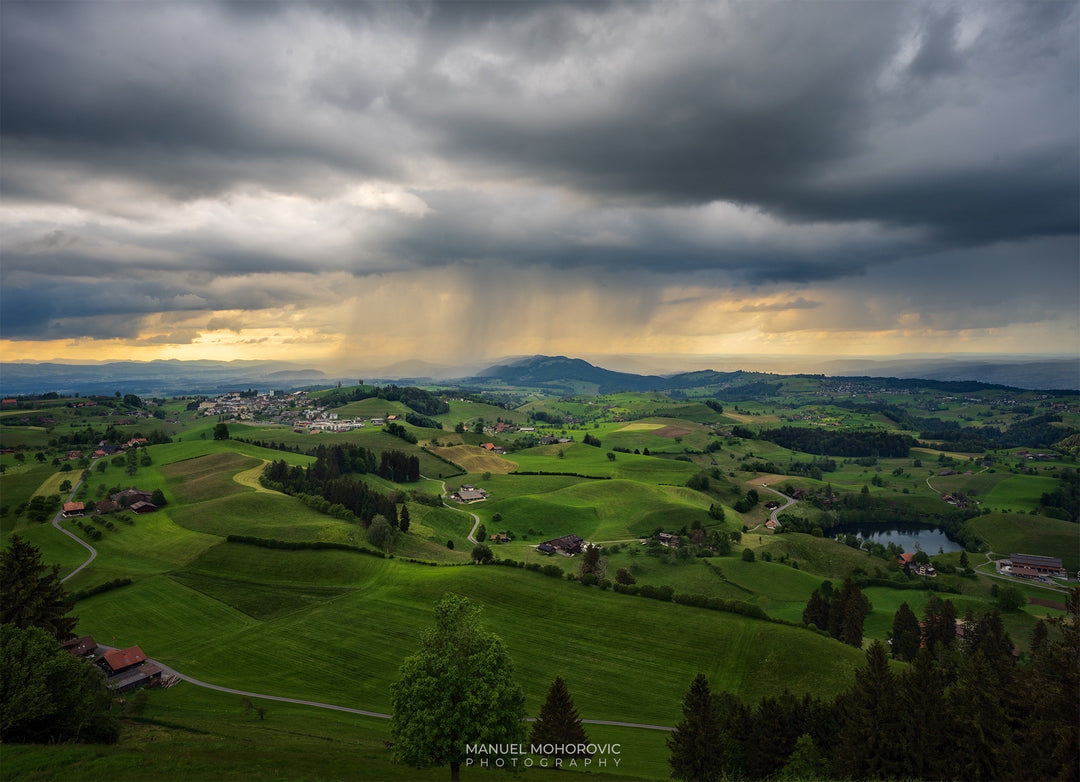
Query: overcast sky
column 447, row 181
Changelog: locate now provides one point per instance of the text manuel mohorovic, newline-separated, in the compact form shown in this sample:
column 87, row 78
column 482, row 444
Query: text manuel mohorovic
column 556, row 755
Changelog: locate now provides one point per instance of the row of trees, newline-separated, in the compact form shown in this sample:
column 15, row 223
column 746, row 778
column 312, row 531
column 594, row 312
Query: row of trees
column 959, row 711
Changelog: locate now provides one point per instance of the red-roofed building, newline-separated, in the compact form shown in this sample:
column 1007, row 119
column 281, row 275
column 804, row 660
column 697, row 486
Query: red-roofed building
column 73, row 509
column 115, row 661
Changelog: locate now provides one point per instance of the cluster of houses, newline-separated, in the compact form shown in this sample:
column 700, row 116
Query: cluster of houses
column 134, row 500
column 567, row 545
column 125, row 669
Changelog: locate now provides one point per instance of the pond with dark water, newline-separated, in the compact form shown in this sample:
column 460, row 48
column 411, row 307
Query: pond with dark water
column 909, row 537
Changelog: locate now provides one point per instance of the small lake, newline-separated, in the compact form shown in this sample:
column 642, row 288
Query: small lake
column 910, row 538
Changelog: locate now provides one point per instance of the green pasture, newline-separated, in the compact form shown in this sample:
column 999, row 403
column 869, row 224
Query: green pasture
column 1021, row 533
column 463, row 411
column 373, row 627
column 372, row 408
column 152, row 544
column 588, row 460
column 822, row 557
column 188, row 732
column 1020, row 492
column 24, row 437
column 430, row 528
column 596, row 510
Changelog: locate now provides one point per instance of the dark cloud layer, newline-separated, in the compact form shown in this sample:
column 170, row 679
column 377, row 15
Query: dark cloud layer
column 743, row 144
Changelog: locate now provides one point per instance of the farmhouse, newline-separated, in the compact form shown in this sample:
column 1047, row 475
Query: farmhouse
column 569, row 545
column 907, row 559
column 72, row 509
column 83, row 646
column 1033, row 566
column 668, row 539
column 142, row 507
column 116, row 661
column 129, row 497
column 468, row 493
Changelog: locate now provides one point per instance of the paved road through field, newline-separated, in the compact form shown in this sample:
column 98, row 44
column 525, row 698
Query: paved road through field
column 476, row 519
column 56, row 523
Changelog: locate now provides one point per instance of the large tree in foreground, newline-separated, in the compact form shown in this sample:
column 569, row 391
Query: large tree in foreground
column 31, row 594
column 696, row 743
column 457, row 690
column 559, row 722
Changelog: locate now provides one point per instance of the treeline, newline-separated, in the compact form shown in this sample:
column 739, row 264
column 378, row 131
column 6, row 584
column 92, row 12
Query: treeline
column 92, row 436
column 296, row 545
column 839, row 443
column 965, row 708
column 1037, row 432
column 423, row 402
column 1064, row 501
column 82, row 594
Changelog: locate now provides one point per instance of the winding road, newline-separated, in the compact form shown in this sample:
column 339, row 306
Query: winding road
column 476, row 519
column 56, row 523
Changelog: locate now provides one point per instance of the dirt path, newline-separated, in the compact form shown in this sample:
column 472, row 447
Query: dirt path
column 251, row 478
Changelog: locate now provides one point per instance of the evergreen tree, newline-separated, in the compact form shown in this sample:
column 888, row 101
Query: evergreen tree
column 1049, row 733
column 31, row 594
column 558, row 723
column 988, row 636
column 404, row 519
column 980, row 737
column 939, row 626
column 871, row 721
column 922, row 703
column 695, row 743
column 805, row 761
column 906, row 633
column 817, row 611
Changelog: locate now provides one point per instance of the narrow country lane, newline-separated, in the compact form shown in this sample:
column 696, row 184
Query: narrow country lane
column 56, row 523
column 476, row 519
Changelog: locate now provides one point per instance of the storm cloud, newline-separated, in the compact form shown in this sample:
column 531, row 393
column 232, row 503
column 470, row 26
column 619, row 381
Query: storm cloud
column 826, row 167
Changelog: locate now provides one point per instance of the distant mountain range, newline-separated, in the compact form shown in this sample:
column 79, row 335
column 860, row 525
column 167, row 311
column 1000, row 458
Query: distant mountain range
column 558, row 374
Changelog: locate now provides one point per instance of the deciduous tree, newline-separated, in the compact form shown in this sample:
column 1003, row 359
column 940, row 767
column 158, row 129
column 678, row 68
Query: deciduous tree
column 48, row 696
column 458, row 689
